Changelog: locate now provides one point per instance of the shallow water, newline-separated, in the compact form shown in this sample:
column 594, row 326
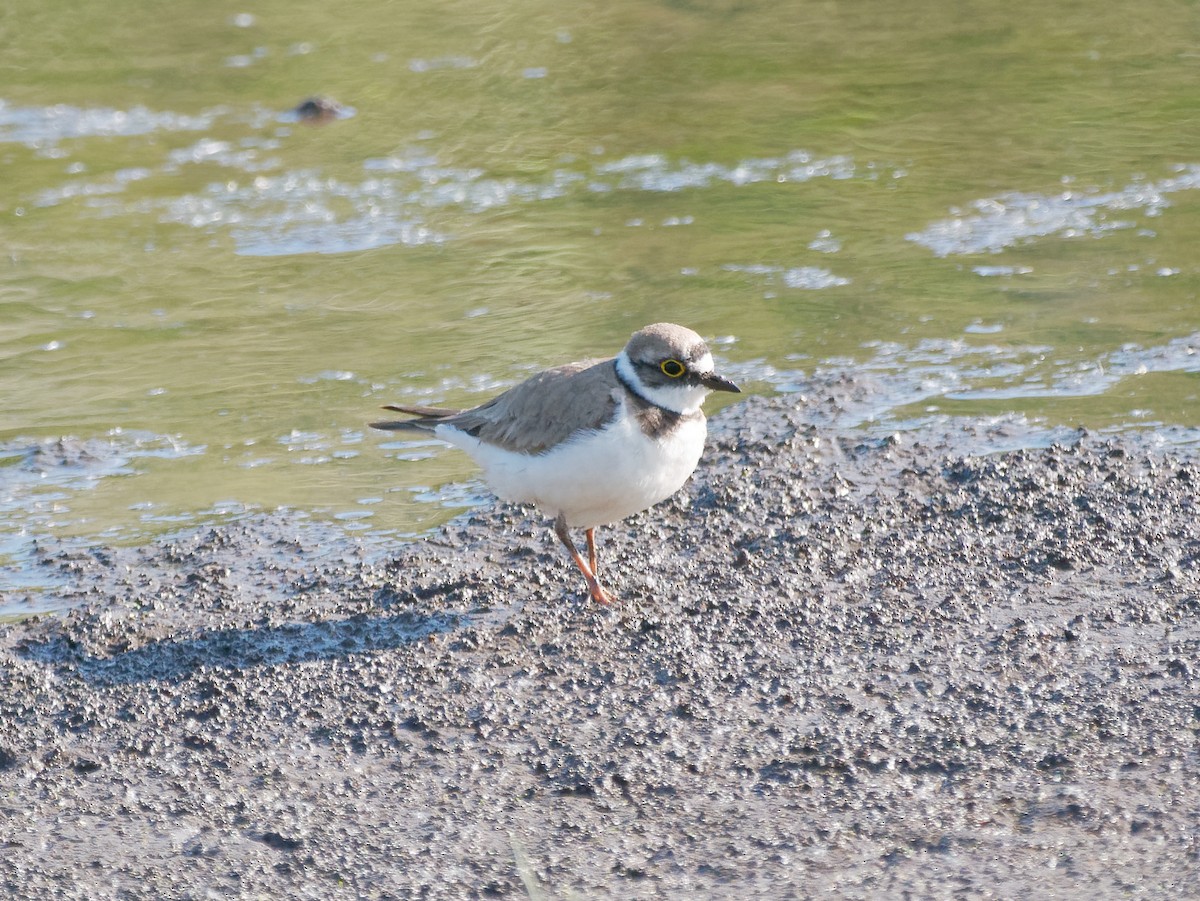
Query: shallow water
column 991, row 211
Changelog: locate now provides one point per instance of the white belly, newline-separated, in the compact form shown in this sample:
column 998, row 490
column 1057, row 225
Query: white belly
column 597, row 479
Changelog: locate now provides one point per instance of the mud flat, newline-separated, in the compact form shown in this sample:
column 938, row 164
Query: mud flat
column 842, row 666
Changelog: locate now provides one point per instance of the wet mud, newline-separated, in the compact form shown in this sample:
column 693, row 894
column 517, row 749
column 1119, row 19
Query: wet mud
column 841, row 666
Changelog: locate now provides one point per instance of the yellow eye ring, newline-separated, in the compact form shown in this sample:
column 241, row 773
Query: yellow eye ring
column 672, row 369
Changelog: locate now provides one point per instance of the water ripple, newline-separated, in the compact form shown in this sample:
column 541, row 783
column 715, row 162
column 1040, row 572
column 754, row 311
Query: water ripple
column 269, row 210
column 1017, row 217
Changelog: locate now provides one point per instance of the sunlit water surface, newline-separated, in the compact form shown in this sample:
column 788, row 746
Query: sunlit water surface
column 987, row 210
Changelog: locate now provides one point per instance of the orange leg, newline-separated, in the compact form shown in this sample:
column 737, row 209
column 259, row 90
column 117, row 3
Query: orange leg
column 591, row 540
column 597, row 592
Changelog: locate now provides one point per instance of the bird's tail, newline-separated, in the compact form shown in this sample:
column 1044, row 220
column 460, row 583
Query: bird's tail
column 427, row 418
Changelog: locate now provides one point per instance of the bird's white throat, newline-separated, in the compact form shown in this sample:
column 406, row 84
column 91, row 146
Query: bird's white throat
column 680, row 398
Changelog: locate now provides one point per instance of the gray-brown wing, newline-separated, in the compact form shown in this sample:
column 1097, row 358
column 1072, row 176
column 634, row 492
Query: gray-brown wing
column 544, row 410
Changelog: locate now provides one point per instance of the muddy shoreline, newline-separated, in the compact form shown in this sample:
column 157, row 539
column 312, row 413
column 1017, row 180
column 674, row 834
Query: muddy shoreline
column 841, row 667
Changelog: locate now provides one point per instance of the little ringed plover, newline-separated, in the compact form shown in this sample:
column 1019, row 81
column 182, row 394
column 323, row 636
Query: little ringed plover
column 590, row 443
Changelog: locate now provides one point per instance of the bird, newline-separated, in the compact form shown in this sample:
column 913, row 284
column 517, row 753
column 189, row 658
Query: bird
column 593, row 442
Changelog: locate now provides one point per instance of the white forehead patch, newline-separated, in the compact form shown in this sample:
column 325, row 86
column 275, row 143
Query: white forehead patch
column 704, row 363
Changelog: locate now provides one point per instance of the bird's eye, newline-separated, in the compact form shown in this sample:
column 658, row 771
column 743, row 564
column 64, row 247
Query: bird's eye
column 672, row 368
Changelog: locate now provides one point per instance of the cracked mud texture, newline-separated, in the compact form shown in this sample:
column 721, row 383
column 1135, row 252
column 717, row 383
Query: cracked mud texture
column 840, row 667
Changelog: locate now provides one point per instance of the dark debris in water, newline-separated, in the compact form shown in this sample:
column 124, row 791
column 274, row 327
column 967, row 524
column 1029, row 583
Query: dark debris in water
column 841, row 666
column 319, row 111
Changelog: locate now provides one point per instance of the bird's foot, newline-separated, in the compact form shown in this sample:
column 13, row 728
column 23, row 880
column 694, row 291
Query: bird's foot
column 601, row 595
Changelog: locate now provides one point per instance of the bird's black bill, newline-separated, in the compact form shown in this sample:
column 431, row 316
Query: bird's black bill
column 714, row 382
